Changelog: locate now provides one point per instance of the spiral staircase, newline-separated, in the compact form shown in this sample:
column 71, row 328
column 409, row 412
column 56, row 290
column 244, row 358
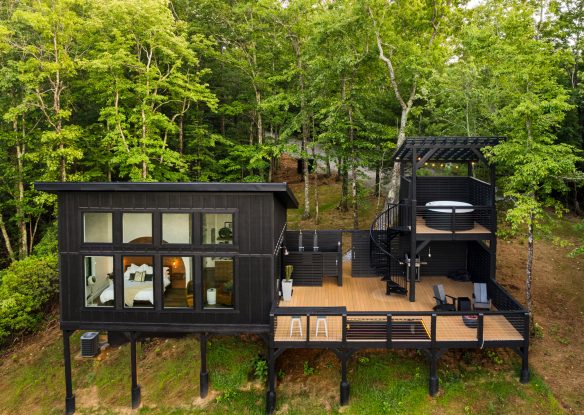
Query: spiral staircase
column 385, row 231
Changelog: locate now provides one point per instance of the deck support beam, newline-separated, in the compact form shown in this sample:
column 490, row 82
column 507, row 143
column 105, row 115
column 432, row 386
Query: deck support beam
column 345, row 388
column 525, row 374
column 434, row 382
column 433, row 356
column 136, row 394
column 203, row 374
column 271, row 394
column 69, row 396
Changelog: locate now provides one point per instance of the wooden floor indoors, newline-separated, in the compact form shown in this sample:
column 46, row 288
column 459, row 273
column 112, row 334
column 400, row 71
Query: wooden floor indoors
column 368, row 294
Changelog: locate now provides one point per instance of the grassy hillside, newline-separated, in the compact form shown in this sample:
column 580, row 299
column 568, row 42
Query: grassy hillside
column 391, row 382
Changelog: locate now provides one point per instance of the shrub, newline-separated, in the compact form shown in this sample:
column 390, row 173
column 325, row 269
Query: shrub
column 28, row 287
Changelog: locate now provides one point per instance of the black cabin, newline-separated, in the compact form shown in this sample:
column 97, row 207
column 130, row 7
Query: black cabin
column 149, row 259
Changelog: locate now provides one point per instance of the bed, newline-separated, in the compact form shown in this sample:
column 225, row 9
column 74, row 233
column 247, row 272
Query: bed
column 441, row 218
column 136, row 290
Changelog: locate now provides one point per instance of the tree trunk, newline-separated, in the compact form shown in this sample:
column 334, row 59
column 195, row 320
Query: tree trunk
column 305, row 132
column 7, row 242
column 529, row 266
column 23, row 235
column 328, row 166
column 406, row 106
column 316, row 204
column 344, row 174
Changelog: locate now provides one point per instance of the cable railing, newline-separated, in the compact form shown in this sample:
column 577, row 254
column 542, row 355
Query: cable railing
column 455, row 218
column 337, row 327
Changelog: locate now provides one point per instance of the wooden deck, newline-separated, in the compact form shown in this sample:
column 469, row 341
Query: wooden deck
column 368, row 294
column 422, row 228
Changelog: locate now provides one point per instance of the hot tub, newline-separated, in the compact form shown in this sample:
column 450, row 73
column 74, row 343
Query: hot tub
column 442, row 218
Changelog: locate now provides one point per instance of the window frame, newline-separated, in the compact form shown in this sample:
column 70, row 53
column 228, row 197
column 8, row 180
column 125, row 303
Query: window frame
column 165, row 309
column 234, row 292
column 155, row 235
column 219, row 247
column 84, row 255
column 155, row 275
column 81, row 221
column 193, row 227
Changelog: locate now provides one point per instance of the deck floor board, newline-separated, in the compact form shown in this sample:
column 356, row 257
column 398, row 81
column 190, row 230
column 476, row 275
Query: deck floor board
column 368, row 294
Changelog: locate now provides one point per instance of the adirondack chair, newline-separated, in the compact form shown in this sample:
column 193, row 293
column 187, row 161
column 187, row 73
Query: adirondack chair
column 441, row 298
column 481, row 296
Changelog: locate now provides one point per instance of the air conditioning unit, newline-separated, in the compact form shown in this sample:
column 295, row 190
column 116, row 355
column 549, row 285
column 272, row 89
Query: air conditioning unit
column 89, row 344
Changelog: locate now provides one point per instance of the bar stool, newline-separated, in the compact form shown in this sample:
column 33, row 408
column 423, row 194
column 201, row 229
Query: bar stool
column 322, row 319
column 294, row 320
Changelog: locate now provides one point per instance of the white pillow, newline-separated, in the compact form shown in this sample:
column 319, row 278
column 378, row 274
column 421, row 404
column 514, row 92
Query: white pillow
column 149, row 270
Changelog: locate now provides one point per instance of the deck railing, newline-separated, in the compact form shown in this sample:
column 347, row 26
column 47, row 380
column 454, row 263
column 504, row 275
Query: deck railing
column 337, row 327
column 454, row 219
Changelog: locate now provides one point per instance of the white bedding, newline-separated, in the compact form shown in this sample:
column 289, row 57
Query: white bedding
column 439, row 203
column 145, row 294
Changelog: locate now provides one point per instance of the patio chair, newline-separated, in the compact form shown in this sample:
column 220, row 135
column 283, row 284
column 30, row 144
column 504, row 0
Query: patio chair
column 441, row 298
column 481, row 296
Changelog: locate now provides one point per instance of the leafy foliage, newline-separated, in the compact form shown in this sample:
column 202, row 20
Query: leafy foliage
column 27, row 287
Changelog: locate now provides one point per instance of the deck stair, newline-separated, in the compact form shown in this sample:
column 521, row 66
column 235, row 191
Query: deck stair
column 387, row 227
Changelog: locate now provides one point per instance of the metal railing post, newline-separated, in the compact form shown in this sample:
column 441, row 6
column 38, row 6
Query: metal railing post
column 433, row 330
column 388, row 330
column 480, row 330
column 344, row 328
column 307, row 327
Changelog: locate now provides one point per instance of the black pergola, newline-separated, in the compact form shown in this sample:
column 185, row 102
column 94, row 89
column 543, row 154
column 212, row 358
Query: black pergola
column 444, row 149
column 420, row 150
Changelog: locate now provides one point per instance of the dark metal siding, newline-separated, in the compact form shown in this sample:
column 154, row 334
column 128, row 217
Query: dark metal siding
column 430, row 188
column 478, row 262
column 360, row 254
column 447, row 256
column 252, row 252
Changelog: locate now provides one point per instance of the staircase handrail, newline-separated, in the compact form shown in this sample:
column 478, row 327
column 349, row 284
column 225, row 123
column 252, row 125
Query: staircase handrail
column 387, row 212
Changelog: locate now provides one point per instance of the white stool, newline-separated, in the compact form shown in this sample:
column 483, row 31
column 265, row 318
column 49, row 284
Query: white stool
column 322, row 319
column 295, row 319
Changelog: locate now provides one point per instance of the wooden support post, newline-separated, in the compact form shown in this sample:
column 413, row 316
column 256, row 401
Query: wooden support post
column 69, row 396
column 135, row 386
column 525, row 374
column 204, row 374
column 271, row 394
column 434, row 385
column 345, row 387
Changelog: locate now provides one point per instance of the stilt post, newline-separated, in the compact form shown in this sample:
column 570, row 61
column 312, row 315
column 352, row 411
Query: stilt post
column 345, row 387
column 271, row 394
column 69, row 396
column 434, row 383
column 204, row 374
column 525, row 374
column 136, row 395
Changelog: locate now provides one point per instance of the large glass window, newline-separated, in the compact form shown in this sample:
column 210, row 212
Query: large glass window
column 138, row 281
column 97, row 227
column 217, row 228
column 176, row 228
column 137, row 228
column 99, row 281
column 177, row 276
column 218, row 282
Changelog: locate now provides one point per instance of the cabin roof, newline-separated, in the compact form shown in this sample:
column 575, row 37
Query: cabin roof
column 280, row 190
column 447, row 149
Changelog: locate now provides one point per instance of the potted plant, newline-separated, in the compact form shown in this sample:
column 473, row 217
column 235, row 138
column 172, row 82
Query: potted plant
column 287, row 283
